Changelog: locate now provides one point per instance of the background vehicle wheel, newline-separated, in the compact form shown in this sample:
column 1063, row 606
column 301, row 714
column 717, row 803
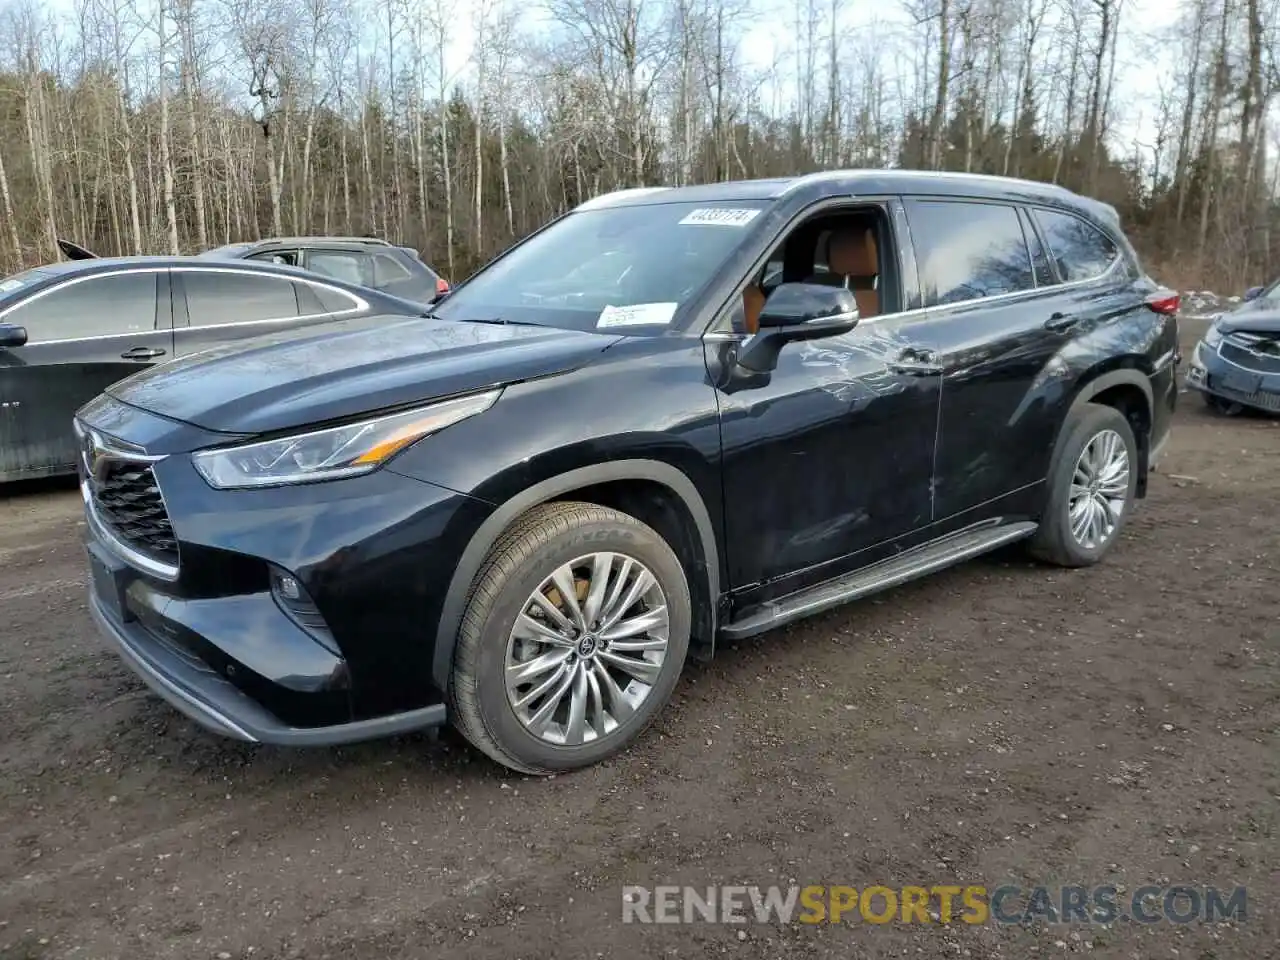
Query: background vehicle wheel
column 1228, row 408
column 1091, row 489
column 574, row 636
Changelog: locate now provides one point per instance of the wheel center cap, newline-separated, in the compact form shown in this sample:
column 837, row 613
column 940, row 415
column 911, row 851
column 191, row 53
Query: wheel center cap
column 586, row 646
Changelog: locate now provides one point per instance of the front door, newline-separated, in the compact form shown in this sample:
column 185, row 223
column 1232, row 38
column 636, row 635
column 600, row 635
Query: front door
column 82, row 336
column 833, row 456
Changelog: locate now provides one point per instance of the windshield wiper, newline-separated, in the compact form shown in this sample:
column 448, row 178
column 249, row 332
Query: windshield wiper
column 503, row 322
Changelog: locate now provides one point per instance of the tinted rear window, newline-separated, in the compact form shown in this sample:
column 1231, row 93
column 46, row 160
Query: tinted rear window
column 968, row 251
column 1080, row 250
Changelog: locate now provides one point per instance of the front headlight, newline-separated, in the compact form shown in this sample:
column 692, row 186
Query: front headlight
column 1213, row 336
column 344, row 451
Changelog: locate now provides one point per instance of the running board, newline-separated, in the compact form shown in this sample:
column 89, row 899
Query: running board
column 909, row 565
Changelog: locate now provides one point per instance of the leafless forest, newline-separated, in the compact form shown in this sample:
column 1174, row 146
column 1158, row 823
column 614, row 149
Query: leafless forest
column 149, row 126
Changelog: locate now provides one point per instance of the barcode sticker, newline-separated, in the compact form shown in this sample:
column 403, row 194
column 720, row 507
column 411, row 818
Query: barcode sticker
column 720, row 217
column 637, row 315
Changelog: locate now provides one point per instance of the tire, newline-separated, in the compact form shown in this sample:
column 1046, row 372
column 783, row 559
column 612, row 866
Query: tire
column 531, row 551
column 1054, row 542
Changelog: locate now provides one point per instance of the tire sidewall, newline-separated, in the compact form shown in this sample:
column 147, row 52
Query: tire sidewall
column 499, row 717
column 1093, row 421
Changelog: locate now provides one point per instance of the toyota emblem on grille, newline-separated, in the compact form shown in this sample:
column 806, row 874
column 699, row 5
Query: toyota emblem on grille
column 93, row 453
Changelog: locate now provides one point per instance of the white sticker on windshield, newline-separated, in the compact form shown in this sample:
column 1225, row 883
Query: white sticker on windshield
column 8, row 286
column 719, row 217
column 637, row 315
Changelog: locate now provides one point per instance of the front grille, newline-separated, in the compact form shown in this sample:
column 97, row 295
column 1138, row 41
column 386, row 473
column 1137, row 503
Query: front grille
column 127, row 501
column 1253, row 351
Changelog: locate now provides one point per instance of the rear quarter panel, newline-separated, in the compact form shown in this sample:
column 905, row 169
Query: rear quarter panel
column 1121, row 337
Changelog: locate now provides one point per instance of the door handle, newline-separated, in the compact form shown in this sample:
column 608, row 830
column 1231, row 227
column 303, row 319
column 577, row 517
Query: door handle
column 1061, row 321
column 141, row 353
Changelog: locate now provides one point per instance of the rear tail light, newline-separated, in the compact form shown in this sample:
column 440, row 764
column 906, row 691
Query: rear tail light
column 442, row 285
column 1164, row 301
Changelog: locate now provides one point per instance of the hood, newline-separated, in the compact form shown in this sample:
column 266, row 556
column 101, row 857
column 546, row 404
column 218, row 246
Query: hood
column 1263, row 317
column 313, row 374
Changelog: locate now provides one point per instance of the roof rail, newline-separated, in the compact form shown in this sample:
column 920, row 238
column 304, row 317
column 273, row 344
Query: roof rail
column 375, row 241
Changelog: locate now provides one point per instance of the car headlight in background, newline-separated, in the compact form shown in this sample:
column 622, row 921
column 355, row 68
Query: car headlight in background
column 345, row 451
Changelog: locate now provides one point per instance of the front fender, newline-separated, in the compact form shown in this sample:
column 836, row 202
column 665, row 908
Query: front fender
column 491, row 529
column 645, row 412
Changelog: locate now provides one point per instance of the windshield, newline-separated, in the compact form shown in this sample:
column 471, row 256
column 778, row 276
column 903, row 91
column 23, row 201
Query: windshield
column 626, row 268
column 11, row 286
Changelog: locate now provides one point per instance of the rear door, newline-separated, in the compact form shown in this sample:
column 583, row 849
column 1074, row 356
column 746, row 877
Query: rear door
column 991, row 333
column 218, row 305
column 82, row 336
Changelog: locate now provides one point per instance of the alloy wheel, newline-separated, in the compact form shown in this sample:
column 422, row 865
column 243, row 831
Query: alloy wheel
column 1099, row 489
column 586, row 649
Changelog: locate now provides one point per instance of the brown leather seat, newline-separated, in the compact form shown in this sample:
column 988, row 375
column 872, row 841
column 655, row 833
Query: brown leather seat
column 852, row 253
column 752, row 303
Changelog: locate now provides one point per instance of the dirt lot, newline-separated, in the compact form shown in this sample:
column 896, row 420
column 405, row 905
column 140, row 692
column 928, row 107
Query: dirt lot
column 999, row 723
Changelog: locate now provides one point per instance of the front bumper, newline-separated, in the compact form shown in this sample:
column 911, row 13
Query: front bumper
column 217, row 705
column 213, row 635
column 1210, row 373
column 192, row 672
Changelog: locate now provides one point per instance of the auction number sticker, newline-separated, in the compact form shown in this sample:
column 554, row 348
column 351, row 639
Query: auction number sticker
column 720, row 217
column 7, row 286
column 636, row 315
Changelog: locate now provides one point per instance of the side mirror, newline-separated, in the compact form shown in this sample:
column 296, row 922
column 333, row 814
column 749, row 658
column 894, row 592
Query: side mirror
column 1252, row 293
column 798, row 311
column 12, row 335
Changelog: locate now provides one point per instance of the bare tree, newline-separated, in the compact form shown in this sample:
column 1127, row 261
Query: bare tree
column 372, row 118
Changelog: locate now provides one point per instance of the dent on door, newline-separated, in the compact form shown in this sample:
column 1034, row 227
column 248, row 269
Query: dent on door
column 830, row 454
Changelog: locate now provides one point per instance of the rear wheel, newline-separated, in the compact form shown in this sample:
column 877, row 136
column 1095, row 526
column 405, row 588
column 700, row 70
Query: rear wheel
column 574, row 636
column 1091, row 489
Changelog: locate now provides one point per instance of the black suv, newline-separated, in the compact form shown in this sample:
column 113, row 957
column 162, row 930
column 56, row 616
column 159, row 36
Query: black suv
column 367, row 261
column 524, row 513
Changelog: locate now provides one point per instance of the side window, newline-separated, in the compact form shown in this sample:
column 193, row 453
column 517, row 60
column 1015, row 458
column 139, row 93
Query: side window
column 1081, row 251
column 967, row 251
column 215, row 298
column 341, row 265
column 286, row 258
column 97, row 307
column 1039, row 258
column 387, row 269
column 844, row 248
column 317, row 299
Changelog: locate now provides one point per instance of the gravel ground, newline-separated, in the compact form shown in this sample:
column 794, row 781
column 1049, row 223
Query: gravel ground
column 1000, row 722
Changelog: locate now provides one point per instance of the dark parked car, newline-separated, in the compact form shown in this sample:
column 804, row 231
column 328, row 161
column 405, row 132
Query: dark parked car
column 370, row 262
column 522, row 515
column 1237, row 362
column 68, row 330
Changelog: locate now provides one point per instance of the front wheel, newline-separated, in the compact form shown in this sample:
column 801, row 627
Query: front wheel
column 1092, row 489
column 573, row 639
